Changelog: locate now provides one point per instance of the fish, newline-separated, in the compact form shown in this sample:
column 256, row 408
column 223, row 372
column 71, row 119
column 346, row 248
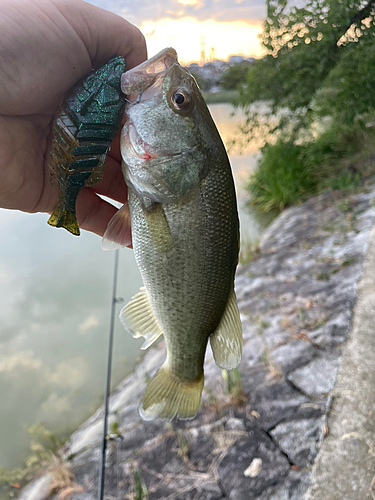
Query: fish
column 185, row 233
column 82, row 131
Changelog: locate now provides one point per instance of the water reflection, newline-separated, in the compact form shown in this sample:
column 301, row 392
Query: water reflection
column 55, row 293
column 54, row 320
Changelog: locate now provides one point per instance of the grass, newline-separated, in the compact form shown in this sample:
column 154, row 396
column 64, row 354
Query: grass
column 233, row 384
column 139, row 488
column 288, row 173
column 44, row 457
column 223, row 96
column 279, row 179
column 248, row 251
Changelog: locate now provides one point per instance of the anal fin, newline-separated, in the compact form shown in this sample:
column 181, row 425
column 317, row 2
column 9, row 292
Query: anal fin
column 226, row 341
column 137, row 317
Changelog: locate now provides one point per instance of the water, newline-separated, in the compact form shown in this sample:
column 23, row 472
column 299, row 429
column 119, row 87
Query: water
column 55, row 293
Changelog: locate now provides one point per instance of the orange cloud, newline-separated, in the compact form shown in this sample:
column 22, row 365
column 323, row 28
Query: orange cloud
column 185, row 34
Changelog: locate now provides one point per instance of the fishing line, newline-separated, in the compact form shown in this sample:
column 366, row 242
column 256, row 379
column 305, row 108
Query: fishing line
column 108, row 381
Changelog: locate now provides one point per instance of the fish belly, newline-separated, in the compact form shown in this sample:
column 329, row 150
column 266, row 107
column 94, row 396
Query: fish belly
column 189, row 281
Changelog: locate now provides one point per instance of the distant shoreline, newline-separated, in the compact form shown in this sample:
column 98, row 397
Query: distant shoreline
column 223, row 96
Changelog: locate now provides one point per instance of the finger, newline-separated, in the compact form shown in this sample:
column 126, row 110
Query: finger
column 115, row 151
column 106, row 34
column 112, row 183
column 93, row 213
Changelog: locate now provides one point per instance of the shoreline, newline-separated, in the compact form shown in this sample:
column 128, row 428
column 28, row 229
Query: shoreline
column 297, row 303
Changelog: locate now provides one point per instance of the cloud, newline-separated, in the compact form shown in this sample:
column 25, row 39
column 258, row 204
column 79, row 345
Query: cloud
column 69, row 373
column 224, row 38
column 5, row 276
column 90, row 322
column 55, row 405
column 153, row 10
column 23, row 359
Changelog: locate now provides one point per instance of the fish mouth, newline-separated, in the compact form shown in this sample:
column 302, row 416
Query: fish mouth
column 136, row 80
column 133, row 146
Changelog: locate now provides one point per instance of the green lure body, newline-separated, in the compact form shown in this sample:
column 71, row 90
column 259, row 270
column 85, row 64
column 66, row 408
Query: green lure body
column 83, row 130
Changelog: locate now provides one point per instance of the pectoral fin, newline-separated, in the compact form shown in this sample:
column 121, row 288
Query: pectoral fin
column 137, row 317
column 118, row 232
column 158, row 227
column 226, row 341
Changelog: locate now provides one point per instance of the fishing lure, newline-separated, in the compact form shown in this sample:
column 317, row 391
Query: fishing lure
column 83, row 129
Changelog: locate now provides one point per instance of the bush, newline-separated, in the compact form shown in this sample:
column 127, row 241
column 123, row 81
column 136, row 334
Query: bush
column 288, row 172
column 281, row 177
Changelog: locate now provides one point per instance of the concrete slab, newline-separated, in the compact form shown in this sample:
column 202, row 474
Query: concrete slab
column 345, row 466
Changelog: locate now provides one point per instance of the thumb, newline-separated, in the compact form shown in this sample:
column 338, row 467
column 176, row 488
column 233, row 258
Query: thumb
column 105, row 34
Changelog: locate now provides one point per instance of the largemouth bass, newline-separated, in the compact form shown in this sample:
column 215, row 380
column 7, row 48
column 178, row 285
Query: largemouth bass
column 185, row 232
column 84, row 127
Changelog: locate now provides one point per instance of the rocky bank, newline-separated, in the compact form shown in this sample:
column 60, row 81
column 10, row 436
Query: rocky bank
column 257, row 439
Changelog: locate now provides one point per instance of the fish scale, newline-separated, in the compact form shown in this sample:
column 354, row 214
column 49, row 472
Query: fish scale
column 185, row 233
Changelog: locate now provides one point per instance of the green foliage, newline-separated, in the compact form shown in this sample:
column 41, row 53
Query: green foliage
column 281, row 178
column 114, row 428
column 288, row 172
column 140, row 491
column 335, row 143
column 43, row 454
column 233, row 383
column 183, row 446
column 235, row 75
column 248, row 251
column 319, row 62
column 348, row 92
column 223, row 96
column 303, row 45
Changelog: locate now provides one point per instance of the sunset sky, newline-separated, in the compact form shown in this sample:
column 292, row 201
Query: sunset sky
column 231, row 27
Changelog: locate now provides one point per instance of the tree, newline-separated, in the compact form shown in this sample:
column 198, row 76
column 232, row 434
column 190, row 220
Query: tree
column 235, row 75
column 319, row 61
column 304, row 47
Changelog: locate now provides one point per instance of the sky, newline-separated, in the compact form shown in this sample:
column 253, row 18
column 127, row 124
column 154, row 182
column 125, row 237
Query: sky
column 230, row 27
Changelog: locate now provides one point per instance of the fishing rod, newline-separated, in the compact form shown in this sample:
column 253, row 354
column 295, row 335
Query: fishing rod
column 108, row 381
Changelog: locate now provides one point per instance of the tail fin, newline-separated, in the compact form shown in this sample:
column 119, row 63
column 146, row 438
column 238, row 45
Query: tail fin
column 167, row 396
column 62, row 218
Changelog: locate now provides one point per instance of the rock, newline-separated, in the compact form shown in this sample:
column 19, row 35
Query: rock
column 292, row 355
column 231, row 469
column 38, row 489
column 318, row 376
column 293, row 488
column 296, row 303
column 235, row 424
column 274, row 401
column 298, row 438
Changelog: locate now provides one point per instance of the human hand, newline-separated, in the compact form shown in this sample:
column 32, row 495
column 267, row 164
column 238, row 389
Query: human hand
column 46, row 47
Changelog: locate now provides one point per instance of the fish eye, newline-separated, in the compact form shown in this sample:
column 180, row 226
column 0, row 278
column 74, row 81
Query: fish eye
column 181, row 100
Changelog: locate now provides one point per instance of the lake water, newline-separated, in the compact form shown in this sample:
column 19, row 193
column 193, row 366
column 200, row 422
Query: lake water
column 55, row 293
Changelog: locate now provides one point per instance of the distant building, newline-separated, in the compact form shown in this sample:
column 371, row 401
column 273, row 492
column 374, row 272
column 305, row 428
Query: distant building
column 236, row 59
column 194, row 67
column 210, row 73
